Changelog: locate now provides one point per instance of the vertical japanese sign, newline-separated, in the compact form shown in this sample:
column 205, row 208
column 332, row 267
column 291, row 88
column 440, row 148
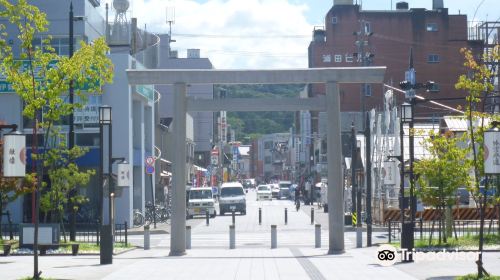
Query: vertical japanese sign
column 14, row 155
column 492, row 152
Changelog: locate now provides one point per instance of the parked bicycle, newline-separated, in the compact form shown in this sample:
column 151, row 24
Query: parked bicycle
column 158, row 213
column 138, row 218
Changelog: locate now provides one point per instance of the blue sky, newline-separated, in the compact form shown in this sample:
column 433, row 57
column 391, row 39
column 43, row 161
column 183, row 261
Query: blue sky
column 264, row 33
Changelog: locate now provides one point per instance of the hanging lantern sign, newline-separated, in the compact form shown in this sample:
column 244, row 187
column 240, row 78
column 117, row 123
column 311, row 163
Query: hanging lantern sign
column 14, row 155
column 492, row 151
column 389, row 172
column 123, row 174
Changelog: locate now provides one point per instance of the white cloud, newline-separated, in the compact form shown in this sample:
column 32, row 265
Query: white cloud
column 244, row 33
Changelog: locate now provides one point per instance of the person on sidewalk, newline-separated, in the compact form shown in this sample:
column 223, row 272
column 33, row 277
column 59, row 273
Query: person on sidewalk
column 307, row 192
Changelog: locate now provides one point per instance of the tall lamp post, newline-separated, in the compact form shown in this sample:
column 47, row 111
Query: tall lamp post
column 106, row 248
column 407, row 226
column 71, row 133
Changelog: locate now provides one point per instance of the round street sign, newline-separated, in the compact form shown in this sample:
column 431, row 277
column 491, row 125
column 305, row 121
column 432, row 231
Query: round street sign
column 150, row 169
column 150, row 160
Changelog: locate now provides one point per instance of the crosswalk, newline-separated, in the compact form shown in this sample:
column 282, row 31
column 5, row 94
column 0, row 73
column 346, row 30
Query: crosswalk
column 258, row 239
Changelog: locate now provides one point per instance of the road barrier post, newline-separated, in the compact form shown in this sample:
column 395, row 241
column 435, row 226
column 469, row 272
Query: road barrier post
column 232, row 237
column 146, row 237
column 317, row 235
column 188, row 237
column 274, row 236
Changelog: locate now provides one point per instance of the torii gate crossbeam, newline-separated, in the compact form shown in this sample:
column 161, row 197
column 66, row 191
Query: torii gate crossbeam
column 330, row 76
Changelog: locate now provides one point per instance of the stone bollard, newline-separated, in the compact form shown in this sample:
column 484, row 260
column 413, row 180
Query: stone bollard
column 232, row 237
column 146, row 237
column 188, row 237
column 274, row 236
column 317, row 236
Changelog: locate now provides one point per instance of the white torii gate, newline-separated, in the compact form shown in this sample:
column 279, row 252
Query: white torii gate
column 331, row 104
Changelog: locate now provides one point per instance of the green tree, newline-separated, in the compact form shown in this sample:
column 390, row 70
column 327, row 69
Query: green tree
column 64, row 176
column 12, row 188
column 443, row 172
column 41, row 78
column 479, row 84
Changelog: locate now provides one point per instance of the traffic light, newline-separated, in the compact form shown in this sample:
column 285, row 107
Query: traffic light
column 429, row 85
column 405, row 85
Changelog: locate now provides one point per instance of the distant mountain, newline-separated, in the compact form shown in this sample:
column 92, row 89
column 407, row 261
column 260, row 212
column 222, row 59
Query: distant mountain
column 250, row 125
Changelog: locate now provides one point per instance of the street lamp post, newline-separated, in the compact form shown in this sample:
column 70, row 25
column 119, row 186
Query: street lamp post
column 71, row 132
column 407, row 226
column 106, row 248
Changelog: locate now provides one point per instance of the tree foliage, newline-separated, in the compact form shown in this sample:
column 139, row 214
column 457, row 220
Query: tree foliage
column 444, row 171
column 64, row 175
column 251, row 125
column 479, row 84
column 42, row 79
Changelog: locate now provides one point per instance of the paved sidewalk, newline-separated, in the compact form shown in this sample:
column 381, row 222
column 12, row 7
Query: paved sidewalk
column 241, row 263
column 210, row 257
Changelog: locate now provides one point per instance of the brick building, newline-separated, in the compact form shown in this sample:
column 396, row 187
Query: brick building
column 355, row 37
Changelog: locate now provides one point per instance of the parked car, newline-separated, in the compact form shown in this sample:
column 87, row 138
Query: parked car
column 264, row 192
column 201, row 200
column 284, row 189
column 232, row 198
column 275, row 188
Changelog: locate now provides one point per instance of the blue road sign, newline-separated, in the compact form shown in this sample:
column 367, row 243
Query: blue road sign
column 150, row 169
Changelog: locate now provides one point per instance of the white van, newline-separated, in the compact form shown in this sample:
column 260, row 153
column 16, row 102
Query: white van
column 200, row 201
column 232, row 198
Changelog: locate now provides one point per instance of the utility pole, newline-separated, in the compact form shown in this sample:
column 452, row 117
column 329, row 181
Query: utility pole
column 365, row 58
column 368, row 182
column 353, row 172
column 71, row 136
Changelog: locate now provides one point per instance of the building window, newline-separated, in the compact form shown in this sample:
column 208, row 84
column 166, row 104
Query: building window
column 367, row 27
column 338, row 58
column 87, row 139
column 267, row 160
column 433, row 58
column 59, row 44
column 432, row 27
column 349, row 58
column 367, row 89
column 268, row 145
column 434, row 88
column 327, row 58
column 334, row 20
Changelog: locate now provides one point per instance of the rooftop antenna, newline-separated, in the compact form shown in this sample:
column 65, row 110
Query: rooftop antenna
column 170, row 20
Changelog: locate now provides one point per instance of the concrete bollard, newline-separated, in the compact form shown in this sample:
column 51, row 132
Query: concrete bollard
column 260, row 216
column 286, row 216
column 312, row 216
column 233, row 217
column 188, row 237
column 274, row 237
column 317, row 236
column 232, row 237
column 146, row 237
column 207, row 217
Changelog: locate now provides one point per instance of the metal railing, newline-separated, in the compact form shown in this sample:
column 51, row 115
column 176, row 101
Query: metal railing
column 460, row 228
column 85, row 232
